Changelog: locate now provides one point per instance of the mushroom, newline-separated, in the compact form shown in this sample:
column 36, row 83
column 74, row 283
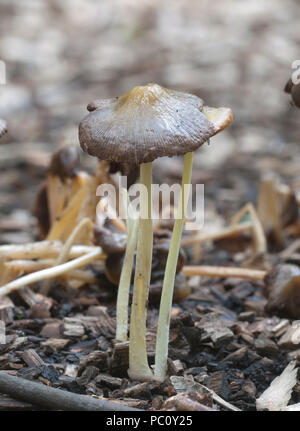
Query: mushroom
column 146, row 123
column 282, row 290
column 294, row 91
column 63, row 166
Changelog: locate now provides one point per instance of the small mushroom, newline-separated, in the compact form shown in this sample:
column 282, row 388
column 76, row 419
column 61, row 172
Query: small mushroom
column 146, row 123
column 63, row 166
column 294, row 91
column 283, row 291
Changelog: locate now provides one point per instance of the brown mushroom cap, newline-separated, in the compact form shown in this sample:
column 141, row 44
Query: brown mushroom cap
column 294, row 91
column 65, row 162
column 149, row 122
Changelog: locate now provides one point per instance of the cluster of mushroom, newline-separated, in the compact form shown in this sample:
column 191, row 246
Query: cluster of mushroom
column 146, row 123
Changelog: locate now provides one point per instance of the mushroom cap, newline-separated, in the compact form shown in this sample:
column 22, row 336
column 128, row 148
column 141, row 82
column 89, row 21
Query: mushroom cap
column 294, row 91
column 149, row 122
column 65, row 162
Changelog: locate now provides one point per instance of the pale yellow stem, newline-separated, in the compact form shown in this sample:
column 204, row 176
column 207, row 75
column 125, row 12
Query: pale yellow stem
column 138, row 362
column 125, row 278
column 162, row 340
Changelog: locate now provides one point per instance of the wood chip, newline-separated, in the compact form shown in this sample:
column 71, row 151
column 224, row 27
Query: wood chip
column 109, row 381
column 6, row 309
column 55, row 344
column 120, row 357
column 32, row 359
column 97, row 359
column 186, row 402
column 291, row 338
column 52, row 330
column 278, row 394
column 72, row 327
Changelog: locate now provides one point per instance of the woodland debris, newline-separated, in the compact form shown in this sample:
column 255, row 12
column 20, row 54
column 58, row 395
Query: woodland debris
column 187, row 384
column 88, row 374
column 6, row 310
column 278, row 394
column 186, row 402
column 73, row 327
column 32, row 359
column 52, row 398
column 9, row 404
column 265, row 346
column 96, row 358
column 214, row 328
column 120, row 359
column 55, row 344
column 52, row 330
column 291, row 338
column 222, row 272
column 109, row 381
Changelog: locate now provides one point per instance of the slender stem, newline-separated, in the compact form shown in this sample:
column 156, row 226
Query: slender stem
column 124, row 284
column 138, row 363
column 161, row 353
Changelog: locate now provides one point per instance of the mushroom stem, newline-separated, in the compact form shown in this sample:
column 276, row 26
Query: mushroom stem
column 138, row 362
column 161, row 353
column 125, row 278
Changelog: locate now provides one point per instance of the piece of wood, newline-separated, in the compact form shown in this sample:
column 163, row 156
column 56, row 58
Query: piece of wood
column 9, row 404
column 223, row 271
column 32, row 359
column 6, row 310
column 52, row 398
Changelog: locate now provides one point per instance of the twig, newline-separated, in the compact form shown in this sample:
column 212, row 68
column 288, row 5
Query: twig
column 42, row 250
column 260, row 242
column 52, row 398
column 50, row 272
column 63, row 257
column 224, row 271
column 227, row 232
column 27, row 266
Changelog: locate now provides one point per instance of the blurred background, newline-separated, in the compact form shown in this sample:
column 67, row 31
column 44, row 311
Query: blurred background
column 60, row 55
